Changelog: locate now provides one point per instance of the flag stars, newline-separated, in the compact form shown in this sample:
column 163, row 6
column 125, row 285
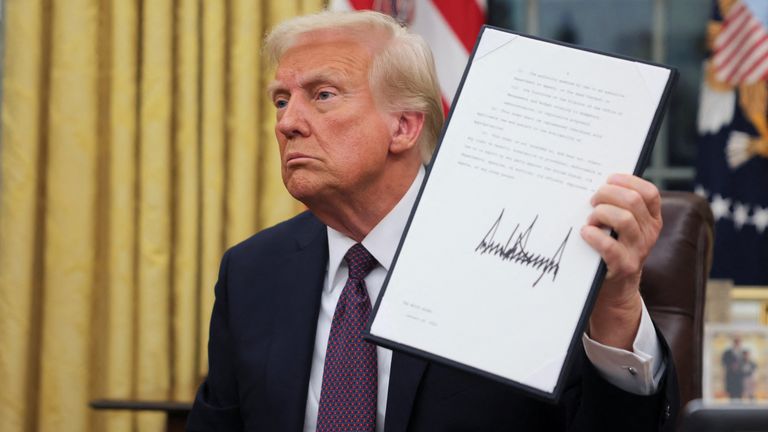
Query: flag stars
column 720, row 207
column 760, row 219
column 740, row 215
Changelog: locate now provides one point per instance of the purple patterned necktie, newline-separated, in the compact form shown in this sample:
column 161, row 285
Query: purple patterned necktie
column 350, row 376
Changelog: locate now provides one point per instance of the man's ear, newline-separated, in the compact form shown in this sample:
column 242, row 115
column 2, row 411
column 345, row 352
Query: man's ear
column 407, row 131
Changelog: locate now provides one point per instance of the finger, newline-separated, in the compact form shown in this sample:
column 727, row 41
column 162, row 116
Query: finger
column 617, row 257
column 647, row 190
column 620, row 220
column 624, row 198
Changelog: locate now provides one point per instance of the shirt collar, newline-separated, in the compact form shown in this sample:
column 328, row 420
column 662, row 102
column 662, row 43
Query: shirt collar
column 383, row 239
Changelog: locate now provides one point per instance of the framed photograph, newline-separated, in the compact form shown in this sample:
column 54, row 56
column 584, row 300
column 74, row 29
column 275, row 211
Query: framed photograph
column 735, row 363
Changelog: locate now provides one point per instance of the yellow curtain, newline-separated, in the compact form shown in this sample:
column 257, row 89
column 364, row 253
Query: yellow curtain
column 136, row 146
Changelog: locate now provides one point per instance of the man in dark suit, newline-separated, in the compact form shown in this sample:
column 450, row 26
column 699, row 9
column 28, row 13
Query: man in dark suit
column 358, row 114
column 733, row 365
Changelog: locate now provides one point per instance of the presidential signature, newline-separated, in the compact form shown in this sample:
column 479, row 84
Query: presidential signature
column 515, row 249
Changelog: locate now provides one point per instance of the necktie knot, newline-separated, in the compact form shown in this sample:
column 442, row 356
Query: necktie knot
column 359, row 261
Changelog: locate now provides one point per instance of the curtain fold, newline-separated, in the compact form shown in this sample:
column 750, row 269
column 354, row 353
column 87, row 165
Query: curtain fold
column 137, row 144
column 186, row 257
column 118, row 281
column 19, row 185
column 69, row 221
column 154, row 209
column 246, row 25
column 213, row 149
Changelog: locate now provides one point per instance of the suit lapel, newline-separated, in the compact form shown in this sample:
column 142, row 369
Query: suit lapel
column 404, row 379
column 296, row 309
column 298, row 292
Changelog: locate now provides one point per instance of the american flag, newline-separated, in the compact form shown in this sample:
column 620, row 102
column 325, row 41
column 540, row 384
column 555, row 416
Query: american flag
column 732, row 167
column 450, row 27
column 741, row 48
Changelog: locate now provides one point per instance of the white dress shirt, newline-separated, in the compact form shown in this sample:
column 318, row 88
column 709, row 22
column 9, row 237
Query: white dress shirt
column 637, row 372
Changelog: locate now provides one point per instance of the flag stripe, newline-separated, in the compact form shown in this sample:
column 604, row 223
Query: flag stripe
column 756, row 38
column 450, row 54
column 726, row 57
column 758, row 71
column 740, row 50
column 750, row 60
column 340, row 6
column 361, row 4
column 464, row 18
column 739, row 14
column 735, row 61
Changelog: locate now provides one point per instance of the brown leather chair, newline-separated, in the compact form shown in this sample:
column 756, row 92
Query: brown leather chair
column 674, row 283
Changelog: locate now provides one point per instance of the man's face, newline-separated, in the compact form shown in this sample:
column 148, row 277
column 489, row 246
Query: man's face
column 333, row 138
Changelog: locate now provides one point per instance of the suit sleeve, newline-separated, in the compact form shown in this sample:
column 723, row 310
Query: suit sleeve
column 596, row 404
column 216, row 406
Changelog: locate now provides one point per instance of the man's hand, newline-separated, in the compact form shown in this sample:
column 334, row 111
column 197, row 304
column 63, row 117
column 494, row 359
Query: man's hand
column 630, row 206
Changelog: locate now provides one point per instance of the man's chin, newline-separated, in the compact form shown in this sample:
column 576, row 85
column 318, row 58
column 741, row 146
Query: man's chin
column 302, row 189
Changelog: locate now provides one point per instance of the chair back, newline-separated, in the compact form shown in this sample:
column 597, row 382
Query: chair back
column 674, row 283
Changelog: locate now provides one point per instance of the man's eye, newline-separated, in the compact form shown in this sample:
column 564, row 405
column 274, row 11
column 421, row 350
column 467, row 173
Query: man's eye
column 324, row 95
column 281, row 103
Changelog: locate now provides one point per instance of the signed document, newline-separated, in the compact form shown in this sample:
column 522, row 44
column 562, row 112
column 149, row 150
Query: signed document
column 492, row 274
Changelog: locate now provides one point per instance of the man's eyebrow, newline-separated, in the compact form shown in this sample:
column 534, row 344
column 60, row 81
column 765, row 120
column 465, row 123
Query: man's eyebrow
column 324, row 76
column 315, row 78
column 273, row 87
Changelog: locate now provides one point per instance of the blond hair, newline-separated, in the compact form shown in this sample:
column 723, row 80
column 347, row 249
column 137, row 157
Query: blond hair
column 403, row 70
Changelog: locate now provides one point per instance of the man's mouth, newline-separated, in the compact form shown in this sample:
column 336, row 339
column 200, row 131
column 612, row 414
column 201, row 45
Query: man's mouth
column 296, row 158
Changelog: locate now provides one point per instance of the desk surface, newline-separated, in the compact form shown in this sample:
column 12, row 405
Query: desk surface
column 141, row 405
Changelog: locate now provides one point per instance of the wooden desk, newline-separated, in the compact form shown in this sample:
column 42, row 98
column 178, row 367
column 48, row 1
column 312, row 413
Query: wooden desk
column 177, row 412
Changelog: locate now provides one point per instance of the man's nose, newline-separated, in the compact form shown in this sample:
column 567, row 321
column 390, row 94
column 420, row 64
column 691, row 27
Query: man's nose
column 292, row 122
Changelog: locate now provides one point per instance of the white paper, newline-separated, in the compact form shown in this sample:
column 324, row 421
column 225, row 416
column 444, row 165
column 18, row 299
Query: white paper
column 537, row 129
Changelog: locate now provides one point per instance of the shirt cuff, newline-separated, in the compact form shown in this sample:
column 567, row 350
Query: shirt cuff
column 637, row 372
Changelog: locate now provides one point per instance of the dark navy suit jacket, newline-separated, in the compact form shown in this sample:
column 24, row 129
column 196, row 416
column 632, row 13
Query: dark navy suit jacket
column 262, row 338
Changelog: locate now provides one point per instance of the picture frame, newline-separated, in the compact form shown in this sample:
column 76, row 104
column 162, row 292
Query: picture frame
column 749, row 305
column 735, row 364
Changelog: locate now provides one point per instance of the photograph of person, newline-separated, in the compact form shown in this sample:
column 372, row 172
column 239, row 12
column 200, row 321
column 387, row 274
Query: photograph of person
column 736, row 363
